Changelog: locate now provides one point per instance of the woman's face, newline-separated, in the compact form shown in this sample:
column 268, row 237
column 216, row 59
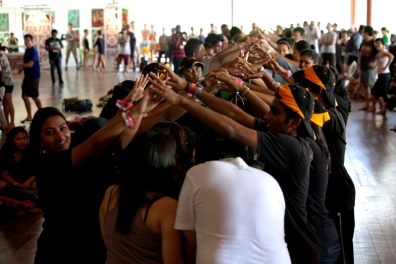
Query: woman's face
column 55, row 135
column 305, row 62
column 193, row 74
column 283, row 49
column 20, row 141
column 378, row 45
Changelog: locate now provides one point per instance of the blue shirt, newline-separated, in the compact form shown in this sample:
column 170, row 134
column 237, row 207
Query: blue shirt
column 32, row 55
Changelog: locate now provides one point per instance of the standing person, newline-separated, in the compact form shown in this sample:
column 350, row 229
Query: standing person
column 201, row 36
column 54, row 47
column 164, row 47
column 8, row 82
column 312, row 35
column 385, row 37
column 31, row 81
column 132, row 44
column 177, row 45
column 367, row 64
column 71, row 38
column 380, row 89
column 85, row 44
column 13, row 41
column 124, row 51
column 101, row 51
column 328, row 42
column 153, row 43
column 192, row 35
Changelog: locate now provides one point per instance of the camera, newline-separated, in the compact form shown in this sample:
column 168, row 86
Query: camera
column 63, row 37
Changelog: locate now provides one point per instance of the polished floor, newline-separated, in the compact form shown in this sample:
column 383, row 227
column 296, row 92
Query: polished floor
column 370, row 160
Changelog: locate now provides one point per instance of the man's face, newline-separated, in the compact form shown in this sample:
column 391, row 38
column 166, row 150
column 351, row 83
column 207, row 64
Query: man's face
column 28, row 43
column 365, row 51
column 297, row 35
column 178, row 29
column 70, row 27
column 193, row 74
column 209, row 53
column 312, row 25
column 217, row 47
column 54, row 34
column 283, row 49
column 201, row 53
column 276, row 118
column 329, row 27
column 225, row 31
column 306, row 61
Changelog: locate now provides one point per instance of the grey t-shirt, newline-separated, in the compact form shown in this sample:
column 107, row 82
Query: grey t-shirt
column 71, row 43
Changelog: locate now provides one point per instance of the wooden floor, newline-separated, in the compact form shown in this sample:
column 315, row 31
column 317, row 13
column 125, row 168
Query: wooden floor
column 370, row 160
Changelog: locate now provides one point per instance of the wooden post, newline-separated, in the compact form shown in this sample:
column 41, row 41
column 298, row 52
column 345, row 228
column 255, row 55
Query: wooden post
column 369, row 11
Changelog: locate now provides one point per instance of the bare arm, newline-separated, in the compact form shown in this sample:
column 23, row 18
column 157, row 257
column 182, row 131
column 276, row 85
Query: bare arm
column 107, row 204
column 190, row 245
column 220, row 123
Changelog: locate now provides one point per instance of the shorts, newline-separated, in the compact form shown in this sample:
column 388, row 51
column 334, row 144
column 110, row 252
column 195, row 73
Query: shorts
column 72, row 49
column 367, row 77
column 8, row 88
column 352, row 59
column 30, row 87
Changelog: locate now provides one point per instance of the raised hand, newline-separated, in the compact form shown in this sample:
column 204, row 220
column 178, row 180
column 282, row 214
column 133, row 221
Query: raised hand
column 230, row 82
column 138, row 88
column 148, row 102
column 159, row 88
column 173, row 79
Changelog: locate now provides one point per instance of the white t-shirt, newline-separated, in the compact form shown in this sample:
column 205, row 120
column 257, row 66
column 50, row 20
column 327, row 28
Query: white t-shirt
column 329, row 36
column 312, row 36
column 237, row 212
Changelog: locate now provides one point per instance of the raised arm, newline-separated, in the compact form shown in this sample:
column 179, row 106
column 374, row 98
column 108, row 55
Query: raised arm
column 222, row 124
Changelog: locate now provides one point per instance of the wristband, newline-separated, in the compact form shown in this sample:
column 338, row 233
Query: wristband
column 124, row 105
column 197, row 93
column 238, row 80
column 245, row 91
column 288, row 73
column 191, row 88
column 129, row 121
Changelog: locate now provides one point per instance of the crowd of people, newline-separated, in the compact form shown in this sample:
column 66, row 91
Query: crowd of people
column 234, row 156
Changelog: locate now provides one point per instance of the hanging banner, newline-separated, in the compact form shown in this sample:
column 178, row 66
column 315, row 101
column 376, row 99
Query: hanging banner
column 97, row 17
column 111, row 33
column 4, row 22
column 39, row 26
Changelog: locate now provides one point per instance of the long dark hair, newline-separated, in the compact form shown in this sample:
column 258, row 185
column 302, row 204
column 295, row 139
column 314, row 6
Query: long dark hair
column 321, row 141
column 151, row 169
column 37, row 125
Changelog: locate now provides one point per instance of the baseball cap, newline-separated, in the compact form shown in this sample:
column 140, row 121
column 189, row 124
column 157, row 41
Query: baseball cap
column 300, row 101
column 188, row 62
column 320, row 115
column 324, row 77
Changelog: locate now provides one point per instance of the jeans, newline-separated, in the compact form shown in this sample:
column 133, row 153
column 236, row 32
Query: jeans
column 330, row 252
column 56, row 63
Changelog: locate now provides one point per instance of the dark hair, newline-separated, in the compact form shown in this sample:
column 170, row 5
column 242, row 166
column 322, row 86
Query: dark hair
column 302, row 45
column 70, row 24
column 369, row 30
column 223, row 26
column 235, row 31
column 299, row 29
column 54, row 31
column 99, row 32
column 218, row 148
column 151, row 155
column 289, row 113
column 85, row 30
column 37, row 125
column 380, row 40
column 214, row 38
column 208, row 45
column 10, row 137
column 88, row 128
column 192, row 46
column 28, row 36
column 311, row 53
column 191, row 137
column 361, row 28
column 335, row 24
column 297, row 76
column 287, row 33
column 183, row 154
column 283, row 42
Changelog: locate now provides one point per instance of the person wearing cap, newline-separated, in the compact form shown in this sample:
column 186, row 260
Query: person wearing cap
column 282, row 148
column 191, row 69
column 341, row 193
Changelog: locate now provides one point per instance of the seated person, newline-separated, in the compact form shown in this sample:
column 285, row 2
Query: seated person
column 191, row 69
column 14, row 169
